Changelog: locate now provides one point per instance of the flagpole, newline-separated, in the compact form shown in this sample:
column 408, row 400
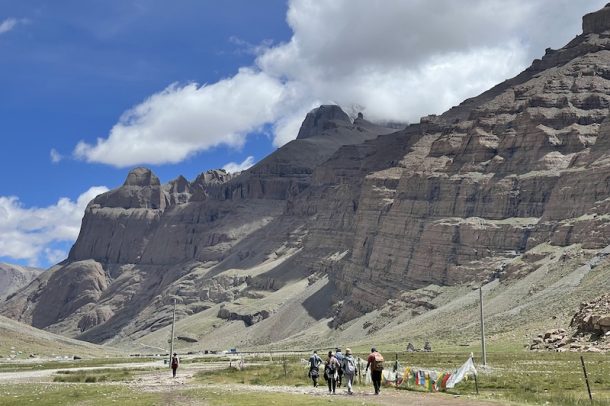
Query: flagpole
column 482, row 327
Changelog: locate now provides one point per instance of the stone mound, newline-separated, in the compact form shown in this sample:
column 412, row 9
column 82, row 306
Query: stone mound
column 591, row 330
column 593, row 317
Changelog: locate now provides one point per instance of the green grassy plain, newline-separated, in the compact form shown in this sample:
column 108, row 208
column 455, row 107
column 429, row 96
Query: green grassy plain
column 97, row 375
column 510, row 377
column 81, row 363
column 515, row 377
column 74, row 394
column 109, row 394
column 524, row 377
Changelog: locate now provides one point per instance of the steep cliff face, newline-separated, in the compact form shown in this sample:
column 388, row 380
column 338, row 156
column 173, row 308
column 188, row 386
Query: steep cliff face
column 206, row 242
column 526, row 166
column 353, row 219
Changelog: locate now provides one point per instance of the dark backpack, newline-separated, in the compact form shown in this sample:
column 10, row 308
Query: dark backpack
column 314, row 373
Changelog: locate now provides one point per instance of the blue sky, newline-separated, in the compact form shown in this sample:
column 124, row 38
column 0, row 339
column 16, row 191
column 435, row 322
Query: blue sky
column 90, row 89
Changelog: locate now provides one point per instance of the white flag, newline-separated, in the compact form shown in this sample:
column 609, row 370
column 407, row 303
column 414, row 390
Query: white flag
column 459, row 375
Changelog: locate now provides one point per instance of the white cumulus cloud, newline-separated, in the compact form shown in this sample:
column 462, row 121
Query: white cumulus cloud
column 182, row 120
column 233, row 167
column 397, row 59
column 29, row 233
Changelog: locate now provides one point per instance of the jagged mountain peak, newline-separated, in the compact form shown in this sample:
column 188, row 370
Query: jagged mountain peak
column 597, row 22
column 325, row 117
column 141, row 177
column 213, row 176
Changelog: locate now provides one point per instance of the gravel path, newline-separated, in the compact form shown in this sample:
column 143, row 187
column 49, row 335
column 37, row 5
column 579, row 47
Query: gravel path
column 161, row 381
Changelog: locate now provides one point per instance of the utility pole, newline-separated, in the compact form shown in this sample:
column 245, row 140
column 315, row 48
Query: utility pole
column 171, row 351
column 482, row 327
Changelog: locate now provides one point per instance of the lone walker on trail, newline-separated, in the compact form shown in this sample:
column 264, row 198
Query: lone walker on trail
column 348, row 365
column 375, row 361
column 314, row 365
column 175, row 364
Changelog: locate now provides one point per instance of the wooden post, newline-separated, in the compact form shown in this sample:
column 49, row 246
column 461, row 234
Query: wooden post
column 476, row 383
column 285, row 366
column 584, row 370
column 482, row 328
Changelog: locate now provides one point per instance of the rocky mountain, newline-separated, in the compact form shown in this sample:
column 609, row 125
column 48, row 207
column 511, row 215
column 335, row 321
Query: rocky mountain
column 354, row 230
column 15, row 277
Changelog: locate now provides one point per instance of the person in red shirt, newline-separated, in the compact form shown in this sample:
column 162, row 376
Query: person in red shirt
column 175, row 363
column 375, row 361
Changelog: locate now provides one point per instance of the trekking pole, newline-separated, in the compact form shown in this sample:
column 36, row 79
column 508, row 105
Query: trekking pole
column 584, row 370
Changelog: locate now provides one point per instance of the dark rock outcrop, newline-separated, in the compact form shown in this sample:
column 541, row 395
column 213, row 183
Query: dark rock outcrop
column 323, row 119
column 597, row 22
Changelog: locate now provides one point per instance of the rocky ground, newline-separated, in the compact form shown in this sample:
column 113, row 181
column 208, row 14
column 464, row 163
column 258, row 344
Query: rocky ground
column 589, row 330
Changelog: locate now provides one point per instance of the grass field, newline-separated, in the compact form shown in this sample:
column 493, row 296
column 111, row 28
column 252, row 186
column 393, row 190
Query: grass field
column 520, row 377
column 72, row 394
column 97, row 375
column 517, row 378
column 529, row 377
column 81, row 363
column 108, row 394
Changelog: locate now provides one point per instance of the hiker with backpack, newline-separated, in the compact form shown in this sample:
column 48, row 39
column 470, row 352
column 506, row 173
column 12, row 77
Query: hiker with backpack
column 348, row 366
column 314, row 371
column 330, row 372
column 175, row 363
column 339, row 357
column 375, row 361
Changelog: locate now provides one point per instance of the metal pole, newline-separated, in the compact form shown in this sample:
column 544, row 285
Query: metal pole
column 482, row 328
column 584, row 370
column 171, row 351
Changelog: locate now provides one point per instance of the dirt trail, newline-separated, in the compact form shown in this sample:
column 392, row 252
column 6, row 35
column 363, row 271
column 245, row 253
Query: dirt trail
column 161, row 381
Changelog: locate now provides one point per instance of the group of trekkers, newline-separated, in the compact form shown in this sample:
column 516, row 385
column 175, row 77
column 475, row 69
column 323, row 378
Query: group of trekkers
column 339, row 368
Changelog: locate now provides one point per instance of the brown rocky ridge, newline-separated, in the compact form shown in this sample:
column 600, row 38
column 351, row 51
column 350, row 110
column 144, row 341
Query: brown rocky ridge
column 354, row 231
